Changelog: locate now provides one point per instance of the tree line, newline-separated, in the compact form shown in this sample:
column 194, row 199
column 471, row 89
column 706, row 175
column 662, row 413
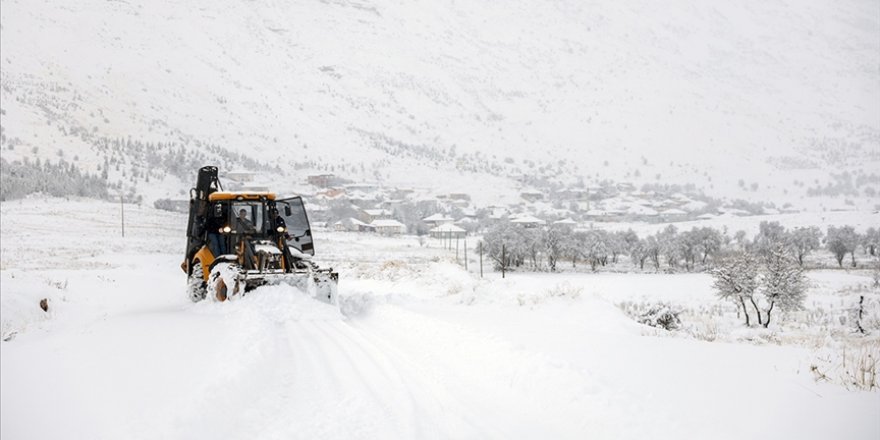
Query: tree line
column 59, row 179
column 515, row 247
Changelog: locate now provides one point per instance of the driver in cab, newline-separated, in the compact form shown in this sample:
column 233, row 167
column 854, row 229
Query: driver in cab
column 242, row 224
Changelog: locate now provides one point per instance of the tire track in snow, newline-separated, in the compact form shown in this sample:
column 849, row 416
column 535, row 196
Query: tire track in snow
column 517, row 394
column 448, row 416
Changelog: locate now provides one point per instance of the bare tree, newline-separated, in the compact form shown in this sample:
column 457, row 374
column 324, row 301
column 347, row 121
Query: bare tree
column 871, row 241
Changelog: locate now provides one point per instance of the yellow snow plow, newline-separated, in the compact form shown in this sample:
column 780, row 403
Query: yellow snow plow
column 237, row 241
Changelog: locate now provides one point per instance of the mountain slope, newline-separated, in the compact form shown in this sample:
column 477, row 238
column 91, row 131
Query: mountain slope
column 406, row 94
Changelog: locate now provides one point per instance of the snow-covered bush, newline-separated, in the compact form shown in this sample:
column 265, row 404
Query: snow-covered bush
column 565, row 290
column 661, row 315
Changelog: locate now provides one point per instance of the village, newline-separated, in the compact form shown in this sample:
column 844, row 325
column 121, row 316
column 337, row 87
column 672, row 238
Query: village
column 341, row 204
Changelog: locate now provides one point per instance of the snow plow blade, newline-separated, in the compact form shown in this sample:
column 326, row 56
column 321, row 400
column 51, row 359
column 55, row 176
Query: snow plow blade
column 320, row 284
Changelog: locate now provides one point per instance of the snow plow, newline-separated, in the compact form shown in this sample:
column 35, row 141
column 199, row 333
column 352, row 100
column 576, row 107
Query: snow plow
column 237, row 241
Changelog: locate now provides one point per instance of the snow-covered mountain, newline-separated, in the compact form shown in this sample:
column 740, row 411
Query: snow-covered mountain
column 762, row 100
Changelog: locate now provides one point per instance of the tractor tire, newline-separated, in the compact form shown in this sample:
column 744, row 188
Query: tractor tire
column 221, row 274
column 196, row 286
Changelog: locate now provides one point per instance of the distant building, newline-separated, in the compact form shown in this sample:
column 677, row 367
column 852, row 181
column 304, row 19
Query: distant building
column 322, row 180
column 389, row 227
column 528, row 221
column 332, row 193
column 353, row 225
column 447, row 230
column 566, row 222
column 240, row 176
column 437, row 219
column 532, row 196
column 371, row 215
column 673, row 214
column 362, row 186
column 625, row 187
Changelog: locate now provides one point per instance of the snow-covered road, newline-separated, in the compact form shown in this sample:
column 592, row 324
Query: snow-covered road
column 274, row 364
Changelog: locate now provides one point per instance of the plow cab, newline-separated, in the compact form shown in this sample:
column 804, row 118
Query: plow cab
column 237, row 241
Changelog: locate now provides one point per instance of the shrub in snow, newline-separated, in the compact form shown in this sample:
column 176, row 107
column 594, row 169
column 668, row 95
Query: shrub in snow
column 565, row 290
column 852, row 367
column 661, row 316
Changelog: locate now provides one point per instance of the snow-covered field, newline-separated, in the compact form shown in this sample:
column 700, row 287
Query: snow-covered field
column 419, row 348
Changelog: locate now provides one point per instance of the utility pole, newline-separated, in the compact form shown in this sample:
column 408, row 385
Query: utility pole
column 481, row 258
column 122, row 211
column 503, row 259
column 465, row 254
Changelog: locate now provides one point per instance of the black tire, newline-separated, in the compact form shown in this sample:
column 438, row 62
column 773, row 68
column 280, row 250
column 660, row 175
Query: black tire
column 196, row 286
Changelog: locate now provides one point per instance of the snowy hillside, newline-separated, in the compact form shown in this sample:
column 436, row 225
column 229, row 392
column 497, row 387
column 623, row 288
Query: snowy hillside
column 757, row 100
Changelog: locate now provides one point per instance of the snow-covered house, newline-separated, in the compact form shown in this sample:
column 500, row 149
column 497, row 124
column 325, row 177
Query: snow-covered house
column 389, row 226
column 447, row 230
column 673, row 214
column 371, row 215
column 353, row 224
column 565, row 222
column 528, row 221
column 437, row 219
column 321, row 180
column 532, row 195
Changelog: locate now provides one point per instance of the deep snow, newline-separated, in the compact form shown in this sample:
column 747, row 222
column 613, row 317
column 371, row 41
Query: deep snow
column 419, row 348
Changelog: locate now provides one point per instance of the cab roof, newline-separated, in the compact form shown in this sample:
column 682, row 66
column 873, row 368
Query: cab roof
column 243, row 195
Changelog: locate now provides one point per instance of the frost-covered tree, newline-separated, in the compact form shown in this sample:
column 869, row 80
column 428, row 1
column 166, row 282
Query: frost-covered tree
column 871, row 241
column 770, row 235
column 553, row 238
column 653, row 249
column 736, row 279
column 620, row 243
column 501, row 245
column 841, row 241
column 688, row 243
column 530, row 242
column 709, row 243
column 669, row 246
column 639, row 252
column 741, row 241
column 782, row 283
column 804, row 240
column 572, row 247
column 593, row 247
